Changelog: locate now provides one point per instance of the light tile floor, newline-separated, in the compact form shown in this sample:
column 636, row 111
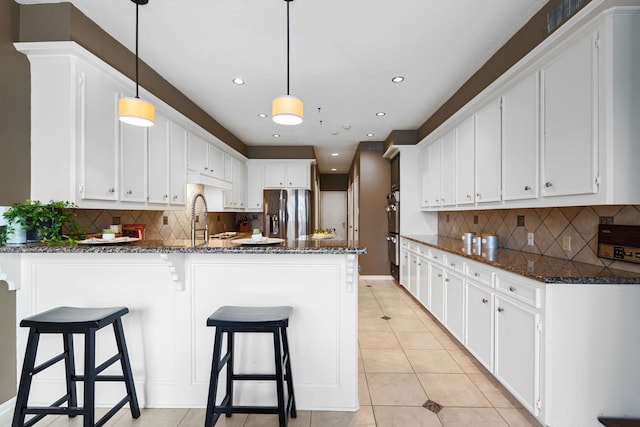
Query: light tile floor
column 406, row 361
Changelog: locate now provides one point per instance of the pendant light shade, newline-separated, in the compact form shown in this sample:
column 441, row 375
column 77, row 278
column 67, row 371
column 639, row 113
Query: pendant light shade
column 287, row 109
column 135, row 111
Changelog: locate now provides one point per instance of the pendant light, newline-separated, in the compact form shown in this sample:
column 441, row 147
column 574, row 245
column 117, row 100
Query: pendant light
column 287, row 109
column 135, row 111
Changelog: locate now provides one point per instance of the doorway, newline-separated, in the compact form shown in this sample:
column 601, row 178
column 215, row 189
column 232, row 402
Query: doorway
column 333, row 211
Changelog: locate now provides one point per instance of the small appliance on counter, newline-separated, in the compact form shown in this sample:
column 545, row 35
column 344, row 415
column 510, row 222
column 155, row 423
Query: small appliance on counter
column 619, row 242
column 133, row 230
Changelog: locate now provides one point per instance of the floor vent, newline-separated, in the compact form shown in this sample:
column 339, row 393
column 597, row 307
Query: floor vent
column 432, row 406
column 561, row 12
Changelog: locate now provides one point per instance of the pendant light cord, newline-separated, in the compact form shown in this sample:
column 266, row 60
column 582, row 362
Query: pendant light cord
column 137, row 6
column 288, row 1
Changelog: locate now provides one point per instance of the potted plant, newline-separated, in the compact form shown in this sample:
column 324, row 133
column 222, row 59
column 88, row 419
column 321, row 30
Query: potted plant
column 42, row 221
column 108, row 234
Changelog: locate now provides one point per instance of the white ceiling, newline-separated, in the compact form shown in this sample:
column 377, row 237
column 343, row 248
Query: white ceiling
column 343, row 56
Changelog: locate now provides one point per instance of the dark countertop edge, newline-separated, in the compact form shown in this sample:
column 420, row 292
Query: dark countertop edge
column 626, row 278
column 135, row 249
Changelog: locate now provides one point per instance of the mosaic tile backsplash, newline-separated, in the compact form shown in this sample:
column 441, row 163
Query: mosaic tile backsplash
column 552, row 229
column 178, row 223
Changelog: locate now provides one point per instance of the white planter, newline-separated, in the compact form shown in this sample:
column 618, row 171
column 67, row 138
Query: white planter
column 18, row 236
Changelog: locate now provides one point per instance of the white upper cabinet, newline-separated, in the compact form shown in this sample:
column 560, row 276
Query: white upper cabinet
column 448, row 193
column 158, row 159
column 520, row 136
column 133, row 150
column 488, row 152
column 434, row 173
column 569, row 162
column 178, row 165
column 99, row 135
column 293, row 174
column 424, row 176
column 204, row 158
column 255, row 186
column 465, row 162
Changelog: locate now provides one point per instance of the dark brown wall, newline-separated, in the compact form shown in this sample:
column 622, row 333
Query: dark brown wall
column 15, row 170
column 522, row 42
column 63, row 22
column 280, row 152
column 334, row 182
column 15, row 123
column 374, row 183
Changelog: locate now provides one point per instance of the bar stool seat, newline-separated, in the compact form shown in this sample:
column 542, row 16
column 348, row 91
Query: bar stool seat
column 234, row 319
column 68, row 321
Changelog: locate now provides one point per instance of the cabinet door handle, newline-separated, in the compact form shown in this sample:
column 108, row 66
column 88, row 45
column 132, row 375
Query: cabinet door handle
column 453, row 264
column 439, row 275
column 129, row 192
column 446, row 280
column 484, row 300
column 548, row 184
column 165, row 196
column 175, row 197
column 527, row 188
column 476, row 274
column 435, row 257
column 112, row 190
column 512, row 288
column 468, row 196
column 477, row 195
column 500, row 309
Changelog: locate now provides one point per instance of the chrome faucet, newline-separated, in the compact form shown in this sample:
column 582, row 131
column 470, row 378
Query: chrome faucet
column 193, row 220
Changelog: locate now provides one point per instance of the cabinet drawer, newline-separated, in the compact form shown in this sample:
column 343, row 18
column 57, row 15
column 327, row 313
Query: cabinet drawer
column 454, row 263
column 518, row 289
column 436, row 255
column 480, row 273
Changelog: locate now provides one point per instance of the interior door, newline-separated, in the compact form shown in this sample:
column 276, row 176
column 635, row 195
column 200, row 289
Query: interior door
column 333, row 211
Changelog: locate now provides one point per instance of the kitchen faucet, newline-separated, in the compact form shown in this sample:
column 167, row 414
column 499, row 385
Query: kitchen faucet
column 193, row 220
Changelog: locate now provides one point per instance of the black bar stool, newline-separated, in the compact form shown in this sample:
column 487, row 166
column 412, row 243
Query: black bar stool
column 229, row 320
column 68, row 321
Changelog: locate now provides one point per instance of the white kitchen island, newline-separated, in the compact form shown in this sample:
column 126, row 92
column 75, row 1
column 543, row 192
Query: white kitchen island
column 170, row 292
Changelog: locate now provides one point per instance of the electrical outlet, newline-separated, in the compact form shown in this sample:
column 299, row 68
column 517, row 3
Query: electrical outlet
column 530, row 239
column 165, row 220
column 520, row 220
column 566, row 243
column 475, row 219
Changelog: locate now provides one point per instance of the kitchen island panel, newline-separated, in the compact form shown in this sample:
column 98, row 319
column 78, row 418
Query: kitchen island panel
column 170, row 345
column 323, row 347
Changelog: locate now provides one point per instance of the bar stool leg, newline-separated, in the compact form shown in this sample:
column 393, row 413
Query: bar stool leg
column 126, row 368
column 25, row 378
column 89, row 378
column 230, row 348
column 282, row 408
column 288, row 373
column 70, row 371
column 210, row 418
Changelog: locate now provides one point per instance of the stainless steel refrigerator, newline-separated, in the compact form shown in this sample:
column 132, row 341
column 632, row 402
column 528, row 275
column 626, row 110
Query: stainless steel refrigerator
column 287, row 213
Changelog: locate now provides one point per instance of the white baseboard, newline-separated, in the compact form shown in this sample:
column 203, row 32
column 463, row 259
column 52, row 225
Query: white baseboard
column 379, row 277
column 6, row 412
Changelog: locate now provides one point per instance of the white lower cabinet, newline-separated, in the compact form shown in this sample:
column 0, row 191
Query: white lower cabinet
column 436, row 278
column 517, row 361
column 413, row 273
column 563, row 350
column 454, row 304
column 479, row 331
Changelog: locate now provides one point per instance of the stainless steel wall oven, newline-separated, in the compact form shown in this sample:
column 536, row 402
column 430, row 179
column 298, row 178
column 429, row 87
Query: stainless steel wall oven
column 393, row 233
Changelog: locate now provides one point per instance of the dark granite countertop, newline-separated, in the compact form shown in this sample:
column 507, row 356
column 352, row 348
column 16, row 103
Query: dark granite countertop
column 228, row 246
column 542, row 268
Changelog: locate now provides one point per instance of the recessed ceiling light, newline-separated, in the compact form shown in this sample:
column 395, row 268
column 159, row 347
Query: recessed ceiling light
column 238, row 81
column 333, row 169
column 346, row 126
column 397, row 79
column 276, row 135
column 370, row 134
column 335, row 154
column 380, row 114
column 262, row 115
column 334, row 133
